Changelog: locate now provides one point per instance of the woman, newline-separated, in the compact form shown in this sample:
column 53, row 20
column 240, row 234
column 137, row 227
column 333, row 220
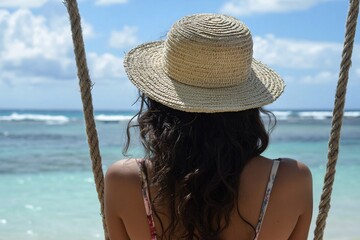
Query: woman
column 203, row 176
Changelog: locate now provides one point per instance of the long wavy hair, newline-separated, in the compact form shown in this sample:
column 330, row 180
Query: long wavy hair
column 196, row 162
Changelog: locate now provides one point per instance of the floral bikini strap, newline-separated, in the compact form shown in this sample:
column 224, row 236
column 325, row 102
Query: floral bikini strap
column 275, row 166
column 146, row 197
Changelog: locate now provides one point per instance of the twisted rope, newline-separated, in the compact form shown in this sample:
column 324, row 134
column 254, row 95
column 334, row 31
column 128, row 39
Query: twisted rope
column 85, row 87
column 338, row 113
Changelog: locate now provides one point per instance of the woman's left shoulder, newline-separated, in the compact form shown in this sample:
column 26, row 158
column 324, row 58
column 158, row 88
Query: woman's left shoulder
column 123, row 172
column 122, row 184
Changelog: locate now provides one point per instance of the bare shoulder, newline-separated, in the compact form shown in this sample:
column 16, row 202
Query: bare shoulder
column 295, row 178
column 122, row 174
column 295, row 170
column 296, row 181
column 122, row 184
column 126, row 169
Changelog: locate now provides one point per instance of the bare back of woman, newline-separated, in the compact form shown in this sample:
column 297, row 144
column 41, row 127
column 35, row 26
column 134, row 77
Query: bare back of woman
column 288, row 214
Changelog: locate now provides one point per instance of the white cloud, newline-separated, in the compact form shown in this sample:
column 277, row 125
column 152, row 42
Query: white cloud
column 22, row 3
column 110, row 2
column 306, row 62
column 319, row 78
column 248, row 7
column 35, row 50
column 296, row 54
column 30, row 48
column 124, row 38
column 106, row 66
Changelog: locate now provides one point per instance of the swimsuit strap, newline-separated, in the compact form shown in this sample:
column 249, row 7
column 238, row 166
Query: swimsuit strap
column 275, row 166
column 146, row 198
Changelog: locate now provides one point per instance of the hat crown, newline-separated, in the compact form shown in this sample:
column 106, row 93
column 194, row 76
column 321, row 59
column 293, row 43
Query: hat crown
column 208, row 50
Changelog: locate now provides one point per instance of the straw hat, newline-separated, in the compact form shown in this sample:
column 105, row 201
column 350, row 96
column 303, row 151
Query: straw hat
column 204, row 65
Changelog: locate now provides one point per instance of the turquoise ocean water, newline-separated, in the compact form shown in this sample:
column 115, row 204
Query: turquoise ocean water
column 47, row 188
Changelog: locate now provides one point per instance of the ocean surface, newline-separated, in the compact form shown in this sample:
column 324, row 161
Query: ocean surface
column 47, row 189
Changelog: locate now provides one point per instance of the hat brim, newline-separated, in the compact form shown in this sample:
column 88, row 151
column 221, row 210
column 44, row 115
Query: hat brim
column 144, row 67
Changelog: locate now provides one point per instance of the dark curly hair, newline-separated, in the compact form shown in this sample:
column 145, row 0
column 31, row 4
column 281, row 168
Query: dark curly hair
column 196, row 160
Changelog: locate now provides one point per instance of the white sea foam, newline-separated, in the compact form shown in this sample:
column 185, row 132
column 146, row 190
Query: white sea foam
column 112, row 118
column 29, row 206
column 48, row 119
column 317, row 115
column 89, row 180
column 352, row 114
column 310, row 115
column 32, row 207
column 321, row 115
column 282, row 115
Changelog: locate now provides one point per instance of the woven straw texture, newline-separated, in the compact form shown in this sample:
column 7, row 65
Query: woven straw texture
column 204, row 65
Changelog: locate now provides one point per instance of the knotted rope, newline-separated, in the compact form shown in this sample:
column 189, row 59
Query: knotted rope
column 85, row 87
column 336, row 124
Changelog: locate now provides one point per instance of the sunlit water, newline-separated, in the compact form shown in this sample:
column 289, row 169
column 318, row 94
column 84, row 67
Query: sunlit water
column 47, row 188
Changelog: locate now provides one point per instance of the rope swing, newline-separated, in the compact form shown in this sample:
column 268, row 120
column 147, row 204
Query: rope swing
column 86, row 98
column 337, row 118
column 338, row 111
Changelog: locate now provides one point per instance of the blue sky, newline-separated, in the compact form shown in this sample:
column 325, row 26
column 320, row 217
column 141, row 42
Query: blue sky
column 300, row 39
